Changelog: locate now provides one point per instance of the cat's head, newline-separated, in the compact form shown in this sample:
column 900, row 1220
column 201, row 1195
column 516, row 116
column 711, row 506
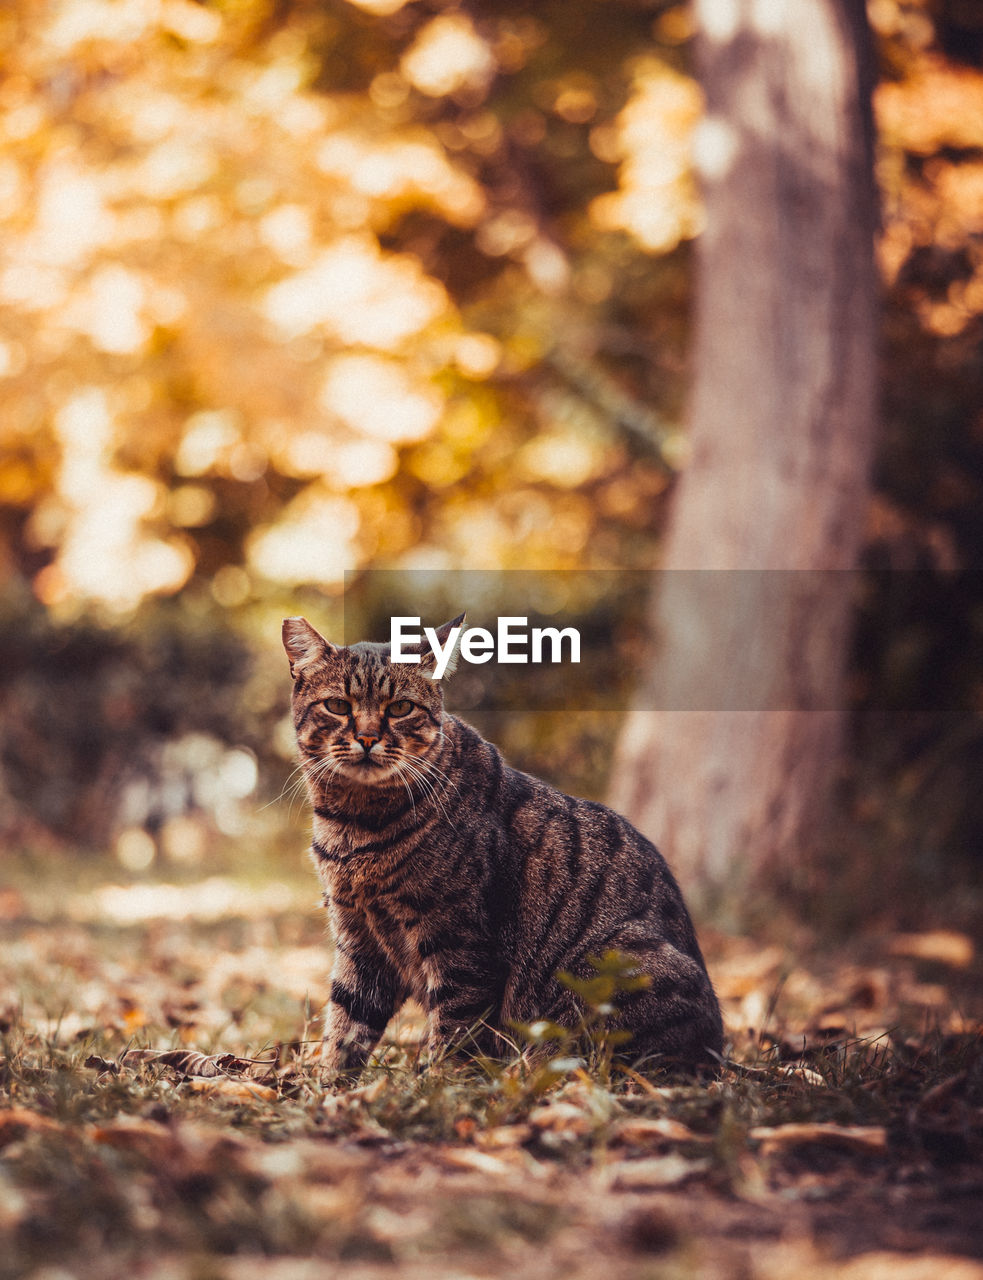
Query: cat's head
column 360, row 717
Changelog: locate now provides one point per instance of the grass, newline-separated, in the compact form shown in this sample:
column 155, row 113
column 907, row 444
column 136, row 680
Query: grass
column 850, row 1118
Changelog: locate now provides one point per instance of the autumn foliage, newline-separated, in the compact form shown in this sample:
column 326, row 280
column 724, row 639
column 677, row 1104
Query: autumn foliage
column 289, row 290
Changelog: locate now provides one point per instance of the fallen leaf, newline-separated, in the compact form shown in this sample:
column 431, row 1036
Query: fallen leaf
column 561, row 1117
column 653, row 1172
column 234, row 1090
column 657, row 1129
column 133, row 1020
column 190, row 1063
column 131, row 1133
column 898, row 1266
column 102, row 1065
column 804, row 1073
column 738, row 975
column 934, row 995
column 481, row 1161
column 16, row 1121
column 864, row 1138
column 504, row 1135
column 944, row 946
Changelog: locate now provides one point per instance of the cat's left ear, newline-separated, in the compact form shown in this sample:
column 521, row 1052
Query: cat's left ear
column 448, row 663
column 304, row 645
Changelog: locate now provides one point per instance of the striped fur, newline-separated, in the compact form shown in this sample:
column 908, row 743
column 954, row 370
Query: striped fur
column 453, row 878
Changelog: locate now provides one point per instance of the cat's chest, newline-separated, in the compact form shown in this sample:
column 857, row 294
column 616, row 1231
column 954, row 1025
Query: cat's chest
column 400, row 923
column 392, row 895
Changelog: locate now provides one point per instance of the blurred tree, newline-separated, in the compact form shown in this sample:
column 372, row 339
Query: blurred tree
column 731, row 773
column 295, row 287
column 290, row 287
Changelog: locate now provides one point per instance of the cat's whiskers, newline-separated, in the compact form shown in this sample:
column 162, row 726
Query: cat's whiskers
column 426, row 771
column 327, row 766
column 428, row 765
column 397, row 770
column 426, row 786
column 405, row 765
column 293, row 786
column 327, row 763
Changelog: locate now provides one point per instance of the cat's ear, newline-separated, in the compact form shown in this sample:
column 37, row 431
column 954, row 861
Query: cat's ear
column 444, row 662
column 304, row 645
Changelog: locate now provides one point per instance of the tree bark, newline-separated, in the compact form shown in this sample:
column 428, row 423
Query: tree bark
column 728, row 758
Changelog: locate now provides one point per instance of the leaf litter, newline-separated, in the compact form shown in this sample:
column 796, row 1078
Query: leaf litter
column 161, row 1110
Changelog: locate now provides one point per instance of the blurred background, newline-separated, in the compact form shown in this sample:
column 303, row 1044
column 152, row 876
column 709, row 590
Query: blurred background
column 290, row 288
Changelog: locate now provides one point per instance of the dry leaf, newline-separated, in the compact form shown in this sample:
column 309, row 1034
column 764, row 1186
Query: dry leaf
column 16, row 1121
column 133, row 1019
column 481, row 1161
column 658, row 1129
column 561, row 1117
column 934, row 995
column 504, row 1135
column 234, row 1090
column 898, row 1266
column 736, row 976
column 657, row 1171
column 864, row 1138
column 806, row 1074
column 192, row 1064
column 102, row 1065
column 944, row 946
column 131, row 1133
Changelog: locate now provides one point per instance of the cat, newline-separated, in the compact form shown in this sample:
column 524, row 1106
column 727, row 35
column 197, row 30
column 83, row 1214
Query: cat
column 452, row 878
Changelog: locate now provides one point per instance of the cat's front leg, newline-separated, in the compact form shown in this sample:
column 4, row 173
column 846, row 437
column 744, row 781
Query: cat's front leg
column 364, row 995
column 459, row 1017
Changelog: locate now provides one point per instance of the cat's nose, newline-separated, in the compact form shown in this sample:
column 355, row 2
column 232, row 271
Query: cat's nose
column 368, row 740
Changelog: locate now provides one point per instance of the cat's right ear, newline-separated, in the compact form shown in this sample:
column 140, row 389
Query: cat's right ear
column 304, row 645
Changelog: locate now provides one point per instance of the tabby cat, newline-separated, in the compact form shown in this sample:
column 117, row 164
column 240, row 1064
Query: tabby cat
column 453, row 878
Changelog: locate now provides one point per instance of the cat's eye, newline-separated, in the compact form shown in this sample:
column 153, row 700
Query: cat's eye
column 338, row 706
column 401, row 708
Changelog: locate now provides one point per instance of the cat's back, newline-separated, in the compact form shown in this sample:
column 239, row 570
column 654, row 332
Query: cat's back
column 574, row 869
column 560, row 881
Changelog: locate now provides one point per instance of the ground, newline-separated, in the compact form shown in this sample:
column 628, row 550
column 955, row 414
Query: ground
column 844, row 1137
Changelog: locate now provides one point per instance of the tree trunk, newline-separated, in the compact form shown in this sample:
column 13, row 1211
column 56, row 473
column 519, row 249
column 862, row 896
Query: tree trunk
column 728, row 758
